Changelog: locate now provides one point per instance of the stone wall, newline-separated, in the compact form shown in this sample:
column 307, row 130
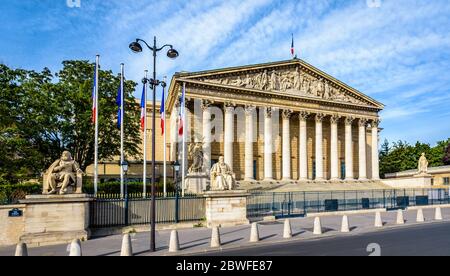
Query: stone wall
column 11, row 228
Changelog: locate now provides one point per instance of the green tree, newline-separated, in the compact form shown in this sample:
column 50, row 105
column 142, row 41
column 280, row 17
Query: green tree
column 44, row 114
column 446, row 159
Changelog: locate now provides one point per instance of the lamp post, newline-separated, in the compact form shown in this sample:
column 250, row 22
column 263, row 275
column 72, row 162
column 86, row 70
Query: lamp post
column 136, row 47
column 176, row 167
column 124, row 166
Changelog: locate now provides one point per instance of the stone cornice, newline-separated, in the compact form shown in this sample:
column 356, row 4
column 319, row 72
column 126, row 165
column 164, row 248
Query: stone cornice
column 224, row 94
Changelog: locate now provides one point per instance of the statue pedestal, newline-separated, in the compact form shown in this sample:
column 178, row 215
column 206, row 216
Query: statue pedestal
column 419, row 181
column 196, row 183
column 55, row 219
column 226, row 208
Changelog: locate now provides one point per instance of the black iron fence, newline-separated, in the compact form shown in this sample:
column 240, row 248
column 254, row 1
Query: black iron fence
column 301, row 203
column 112, row 211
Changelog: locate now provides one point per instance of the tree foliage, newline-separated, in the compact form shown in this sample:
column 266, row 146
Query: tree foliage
column 402, row 156
column 42, row 114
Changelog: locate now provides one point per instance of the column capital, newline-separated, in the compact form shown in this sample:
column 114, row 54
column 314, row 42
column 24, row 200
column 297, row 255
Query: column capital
column 249, row 109
column 268, row 112
column 229, row 107
column 334, row 119
column 375, row 123
column 349, row 120
column 287, row 114
column 303, row 115
column 205, row 104
column 362, row 122
column 319, row 117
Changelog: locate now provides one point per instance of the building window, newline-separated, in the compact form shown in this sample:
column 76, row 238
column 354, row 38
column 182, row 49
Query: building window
column 447, row 181
column 343, row 170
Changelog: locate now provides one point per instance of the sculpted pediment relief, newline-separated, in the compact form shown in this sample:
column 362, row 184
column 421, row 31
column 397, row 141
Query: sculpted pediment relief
column 290, row 81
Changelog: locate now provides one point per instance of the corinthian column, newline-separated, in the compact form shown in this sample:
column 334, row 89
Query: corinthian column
column 362, row 123
column 229, row 134
column 268, row 148
column 319, row 147
column 286, row 145
column 375, row 154
column 207, row 134
column 348, row 149
column 249, row 139
column 303, row 146
column 334, row 148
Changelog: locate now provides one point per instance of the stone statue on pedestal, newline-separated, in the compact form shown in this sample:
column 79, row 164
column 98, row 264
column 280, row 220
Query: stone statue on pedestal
column 196, row 155
column 423, row 164
column 222, row 178
column 63, row 174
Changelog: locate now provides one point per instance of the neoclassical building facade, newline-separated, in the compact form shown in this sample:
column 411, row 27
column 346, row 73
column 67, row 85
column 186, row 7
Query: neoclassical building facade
column 280, row 121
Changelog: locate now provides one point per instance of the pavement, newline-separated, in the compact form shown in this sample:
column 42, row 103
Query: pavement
column 196, row 241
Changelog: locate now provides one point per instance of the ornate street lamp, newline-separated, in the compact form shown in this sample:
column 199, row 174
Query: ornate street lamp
column 136, row 47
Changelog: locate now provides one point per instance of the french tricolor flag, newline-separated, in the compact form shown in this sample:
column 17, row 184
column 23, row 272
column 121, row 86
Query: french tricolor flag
column 181, row 119
column 163, row 113
column 293, row 47
column 94, row 97
column 143, row 111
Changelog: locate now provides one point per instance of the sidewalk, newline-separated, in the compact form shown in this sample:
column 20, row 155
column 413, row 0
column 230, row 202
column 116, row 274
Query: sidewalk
column 196, row 241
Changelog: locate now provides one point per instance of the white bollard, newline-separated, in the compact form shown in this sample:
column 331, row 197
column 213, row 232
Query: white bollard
column 21, row 250
column 75, row 248
column 317, row 226
column 174, row 245
column 215, row 237
column 127, row 248
column 438, row 214
column 287, row 233
column 345, row 225
column 378, row 220
column 420, row 216
column 254, row 235
column 400, row 218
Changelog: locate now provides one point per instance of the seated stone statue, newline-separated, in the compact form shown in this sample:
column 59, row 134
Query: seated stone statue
column 63, row 174
column 222, row 177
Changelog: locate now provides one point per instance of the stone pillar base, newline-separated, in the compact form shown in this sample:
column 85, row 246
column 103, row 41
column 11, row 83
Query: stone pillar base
column 226, row 208
column 55, row 219
column 196, row 183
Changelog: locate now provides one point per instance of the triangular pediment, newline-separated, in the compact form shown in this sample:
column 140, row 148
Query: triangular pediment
column 293, row 78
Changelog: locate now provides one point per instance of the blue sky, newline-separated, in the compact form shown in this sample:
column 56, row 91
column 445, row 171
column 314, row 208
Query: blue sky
column 396, row 51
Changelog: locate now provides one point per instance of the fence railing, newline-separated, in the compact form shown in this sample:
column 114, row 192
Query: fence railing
column 302, row 203
column 112, row 211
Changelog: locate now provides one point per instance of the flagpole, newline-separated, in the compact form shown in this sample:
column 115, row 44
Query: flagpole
column 183, row 114
column 145, row 138
column 122, row 157
column 165, row 141
column 97, row 61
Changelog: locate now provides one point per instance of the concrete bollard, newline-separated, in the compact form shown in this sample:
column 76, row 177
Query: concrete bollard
column 174, row 245
column 21, row 250
column 345, row 225
column 378, row 220
column 420, row 216
column 400, row 218
column 287, row 233
column 317, row 226
column 127, row 247
column 215, row 237
column 75, row 248
column 254, row 235
column 438, row 214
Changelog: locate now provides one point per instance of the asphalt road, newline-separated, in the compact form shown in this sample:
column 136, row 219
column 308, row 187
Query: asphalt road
column 420, row 240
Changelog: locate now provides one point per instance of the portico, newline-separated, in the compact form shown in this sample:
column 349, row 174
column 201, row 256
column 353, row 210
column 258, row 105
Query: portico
column 281, row 122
